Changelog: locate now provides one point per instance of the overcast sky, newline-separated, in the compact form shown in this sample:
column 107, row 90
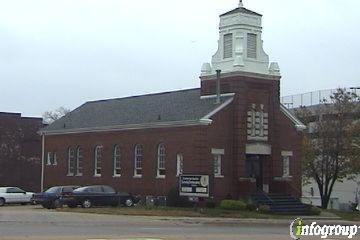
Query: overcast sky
column 63, row 53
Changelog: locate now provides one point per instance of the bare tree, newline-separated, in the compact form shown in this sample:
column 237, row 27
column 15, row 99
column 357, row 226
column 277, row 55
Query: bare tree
column 330, row 152
column 51, row 116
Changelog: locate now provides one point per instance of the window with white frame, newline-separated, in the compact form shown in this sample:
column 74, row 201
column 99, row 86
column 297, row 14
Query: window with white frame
column 251, row 45
column 117, row 161
column 228, row 45
column 98, row 160
column 286, row 166
column 161, row 160
column 51, row 158
column 286, row 157
column 54, row 159
column 138, row 160
column 217, row 158
column 217, row 164
column 79, row 161
column 48, row 160
column 179, row 164
column 71, row 161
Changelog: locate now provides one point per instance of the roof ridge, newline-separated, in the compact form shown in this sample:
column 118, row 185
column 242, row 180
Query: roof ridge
column 248, row 11
column 144, row 95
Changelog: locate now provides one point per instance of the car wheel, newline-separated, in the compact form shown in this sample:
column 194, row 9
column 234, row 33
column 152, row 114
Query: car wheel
column 57, row 204
column 2, row 202
column 86, row 203
column 129, row 202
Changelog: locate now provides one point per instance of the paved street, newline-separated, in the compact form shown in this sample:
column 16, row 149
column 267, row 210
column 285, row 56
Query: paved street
column 33, row 222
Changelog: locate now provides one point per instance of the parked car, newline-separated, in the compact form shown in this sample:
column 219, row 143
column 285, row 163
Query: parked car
column 15, row 195
column 100, row 195
column 55, row 197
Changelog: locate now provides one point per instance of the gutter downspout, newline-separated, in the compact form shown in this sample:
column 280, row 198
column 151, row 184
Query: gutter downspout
column 42, row 161
column 218, row 87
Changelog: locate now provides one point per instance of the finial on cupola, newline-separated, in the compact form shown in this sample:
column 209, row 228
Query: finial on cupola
column 241, row 4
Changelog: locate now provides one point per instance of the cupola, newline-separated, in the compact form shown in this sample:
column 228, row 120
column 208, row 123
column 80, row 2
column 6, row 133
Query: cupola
column 240, row 45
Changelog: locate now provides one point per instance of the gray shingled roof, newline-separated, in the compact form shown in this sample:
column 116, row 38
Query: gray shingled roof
column 183, row 105
column 241, row 10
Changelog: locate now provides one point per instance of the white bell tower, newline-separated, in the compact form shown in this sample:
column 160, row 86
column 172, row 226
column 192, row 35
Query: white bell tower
column 240, row 45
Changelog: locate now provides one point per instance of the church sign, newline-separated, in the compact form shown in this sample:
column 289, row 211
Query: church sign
column 194, row 185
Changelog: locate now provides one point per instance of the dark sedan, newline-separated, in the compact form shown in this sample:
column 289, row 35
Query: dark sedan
column 100, row 195
column 55, row 197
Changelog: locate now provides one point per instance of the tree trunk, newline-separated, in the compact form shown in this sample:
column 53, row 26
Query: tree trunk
column 324, row 201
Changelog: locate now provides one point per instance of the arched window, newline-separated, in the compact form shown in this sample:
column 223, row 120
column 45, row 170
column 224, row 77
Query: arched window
column 79, row 161
column 161, row 160
column 117, row 161
column 179, row 164
column 98, row 160
column 138, row 160
column 71, row 162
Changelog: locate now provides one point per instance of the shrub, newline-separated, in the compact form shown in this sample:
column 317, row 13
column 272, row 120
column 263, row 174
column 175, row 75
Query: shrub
column 264, row 208
column 315, row 210
column 174, row 200
column 251, row 207
column 232, row 205
column 210, row 203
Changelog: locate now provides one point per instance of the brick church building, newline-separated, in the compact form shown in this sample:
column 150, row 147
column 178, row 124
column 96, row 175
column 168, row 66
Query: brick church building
column 233, row 128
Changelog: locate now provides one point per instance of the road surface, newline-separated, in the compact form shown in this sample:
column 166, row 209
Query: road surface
column 33, row 222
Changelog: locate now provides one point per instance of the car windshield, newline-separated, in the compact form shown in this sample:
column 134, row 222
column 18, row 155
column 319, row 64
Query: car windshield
column 53, row 190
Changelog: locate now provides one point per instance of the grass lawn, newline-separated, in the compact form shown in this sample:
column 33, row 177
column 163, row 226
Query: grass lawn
column 350, row 216
column 173, row 212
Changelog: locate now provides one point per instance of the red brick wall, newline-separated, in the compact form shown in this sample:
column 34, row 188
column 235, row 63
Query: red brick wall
column 194, row 143
column 20, row 153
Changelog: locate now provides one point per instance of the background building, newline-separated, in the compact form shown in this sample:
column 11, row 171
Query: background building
column 233, row 129
column 20, row 151
column 345, row 192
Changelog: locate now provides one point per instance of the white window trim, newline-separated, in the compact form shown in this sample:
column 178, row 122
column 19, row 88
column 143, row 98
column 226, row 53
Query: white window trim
column 96, row 161
column 220, row 153
column 78, row 174
column 55, row 159
column 178, row 173
column 114, row 161
column 158, row 175
column 288, row 154
column 48, row 160
column 69, row 162
column 135, row 160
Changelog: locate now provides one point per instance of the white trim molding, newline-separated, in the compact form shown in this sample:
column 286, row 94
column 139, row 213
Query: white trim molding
column 217, row 151
column 216, row 110
column 298, row 124
column 286, row 153
column 258, row 148
column 202, row 121
column 215, row 96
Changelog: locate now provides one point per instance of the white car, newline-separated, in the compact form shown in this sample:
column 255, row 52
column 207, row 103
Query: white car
column 15, row 195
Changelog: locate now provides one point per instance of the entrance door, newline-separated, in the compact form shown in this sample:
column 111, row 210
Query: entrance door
column 254, row 169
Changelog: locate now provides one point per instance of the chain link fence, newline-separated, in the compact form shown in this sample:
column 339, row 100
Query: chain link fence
column 312, row 98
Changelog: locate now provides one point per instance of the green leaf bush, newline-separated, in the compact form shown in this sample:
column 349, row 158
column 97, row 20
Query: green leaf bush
column 233, row 205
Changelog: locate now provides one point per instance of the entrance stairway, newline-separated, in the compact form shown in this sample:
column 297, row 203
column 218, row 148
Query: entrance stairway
column 281, row 203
